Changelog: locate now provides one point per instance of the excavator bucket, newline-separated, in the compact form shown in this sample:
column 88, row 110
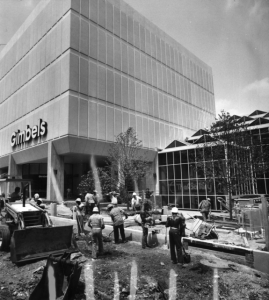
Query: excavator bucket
column 59, row 279
column 40, row 242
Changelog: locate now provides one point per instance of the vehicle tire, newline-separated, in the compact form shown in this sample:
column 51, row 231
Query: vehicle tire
column 6, row 237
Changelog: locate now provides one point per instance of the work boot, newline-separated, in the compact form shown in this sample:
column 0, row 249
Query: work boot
column 174, row 262
column 148, row 246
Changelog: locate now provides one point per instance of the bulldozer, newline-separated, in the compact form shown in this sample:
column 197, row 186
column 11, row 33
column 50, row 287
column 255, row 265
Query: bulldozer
column 26, row 230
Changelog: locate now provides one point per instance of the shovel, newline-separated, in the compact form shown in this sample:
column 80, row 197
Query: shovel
column 165, row 240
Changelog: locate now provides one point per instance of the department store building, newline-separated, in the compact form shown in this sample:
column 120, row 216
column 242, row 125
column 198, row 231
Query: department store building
column 78, row 73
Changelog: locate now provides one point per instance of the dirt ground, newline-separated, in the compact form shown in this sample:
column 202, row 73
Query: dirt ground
column 155, row 274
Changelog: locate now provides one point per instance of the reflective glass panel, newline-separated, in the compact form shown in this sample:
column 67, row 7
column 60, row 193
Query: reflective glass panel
column 171, row 172
column 170, row 159
column 177, row 157
column 163, row 187
column 162, row 159
column 163, row 173
column 184, row 157
column 178, row 187
column 179, row 201
column 177, row 172
column 185, row 171
column 171, row 187
column 186, row 201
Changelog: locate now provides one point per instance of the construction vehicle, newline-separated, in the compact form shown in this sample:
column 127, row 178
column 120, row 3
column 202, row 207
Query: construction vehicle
column 27, row 230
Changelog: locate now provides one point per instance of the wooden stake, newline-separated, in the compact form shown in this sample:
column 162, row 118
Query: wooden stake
column 265, row 221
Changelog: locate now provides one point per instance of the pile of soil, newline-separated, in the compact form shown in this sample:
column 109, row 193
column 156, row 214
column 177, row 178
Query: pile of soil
column 155, row 274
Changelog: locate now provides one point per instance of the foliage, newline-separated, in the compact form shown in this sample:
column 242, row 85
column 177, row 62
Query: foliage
column 127, row 161
column 124, row 165
column 229, row 155
column 108, row 183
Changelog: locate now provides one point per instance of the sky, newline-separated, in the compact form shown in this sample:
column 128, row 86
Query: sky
column 231, row 36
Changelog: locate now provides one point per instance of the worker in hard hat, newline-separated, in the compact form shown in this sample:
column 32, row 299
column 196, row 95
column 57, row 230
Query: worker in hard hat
column 40, row 204
column 176, row 223
column 96, row 222
column 78, row 211
column 136, row 202
column 118, row 223
column 146, row 221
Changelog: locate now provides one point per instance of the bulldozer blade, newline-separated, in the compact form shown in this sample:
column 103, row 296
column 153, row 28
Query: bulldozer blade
column 60, row 278
column 39, row 242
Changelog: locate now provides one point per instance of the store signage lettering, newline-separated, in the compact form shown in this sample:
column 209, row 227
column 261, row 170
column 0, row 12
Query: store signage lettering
column 20, row 137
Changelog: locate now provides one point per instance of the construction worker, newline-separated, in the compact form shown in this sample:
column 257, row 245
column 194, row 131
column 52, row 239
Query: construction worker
column 146, row 221
column 96, row 199
column 148, row 193
column 90, row 204
column 117, row 219
column 135, row 202
column 96, row 222
column 78, row 215
column 15, row 195
column 205, row 208
column 40, row 204
column 176, row 223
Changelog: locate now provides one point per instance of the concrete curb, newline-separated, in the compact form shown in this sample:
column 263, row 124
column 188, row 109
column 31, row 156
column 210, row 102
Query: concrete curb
column 256, row 259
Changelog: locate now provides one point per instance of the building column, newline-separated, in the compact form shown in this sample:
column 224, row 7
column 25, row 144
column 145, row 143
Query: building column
column 15, row 171
column 55, row 176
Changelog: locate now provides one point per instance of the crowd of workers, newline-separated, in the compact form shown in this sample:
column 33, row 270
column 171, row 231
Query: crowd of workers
column 95, row 221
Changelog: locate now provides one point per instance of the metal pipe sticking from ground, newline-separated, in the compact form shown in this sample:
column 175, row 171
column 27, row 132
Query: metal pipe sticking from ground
column 172, row 285
column 215, row 284
column 52, row 283
column 116, row 288
column 89, row 284
column 133, row 280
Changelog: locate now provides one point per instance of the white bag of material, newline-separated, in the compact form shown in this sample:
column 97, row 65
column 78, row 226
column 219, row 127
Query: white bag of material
column 137, row 219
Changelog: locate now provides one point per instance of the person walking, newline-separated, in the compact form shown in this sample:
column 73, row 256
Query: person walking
column 118, row 222
column 205, row 208
column 146, row 221
column 176, row 223
column 96, row 222
column 96, row 199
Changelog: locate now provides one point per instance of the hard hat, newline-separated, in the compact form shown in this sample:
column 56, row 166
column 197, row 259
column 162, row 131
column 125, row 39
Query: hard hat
column 208, row 199
column 174, row 210
column 95, row 209
column 78, row 200
column 134, row 194
column 95, row 191
column 114, row 201
column 36, row 196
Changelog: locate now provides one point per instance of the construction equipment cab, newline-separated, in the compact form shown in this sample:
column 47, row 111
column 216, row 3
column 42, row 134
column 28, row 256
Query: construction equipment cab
column 27, row 230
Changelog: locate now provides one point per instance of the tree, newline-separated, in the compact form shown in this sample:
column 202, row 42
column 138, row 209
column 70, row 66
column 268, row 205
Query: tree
column 124, row 165
column 229, row 156
column 126, row 160
column 107, row 182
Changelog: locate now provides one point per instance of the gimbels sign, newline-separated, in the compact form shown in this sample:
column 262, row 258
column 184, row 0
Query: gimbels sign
column 27, row 135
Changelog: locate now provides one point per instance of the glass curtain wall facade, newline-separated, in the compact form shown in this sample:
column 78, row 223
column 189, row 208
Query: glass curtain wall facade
column 182, row 184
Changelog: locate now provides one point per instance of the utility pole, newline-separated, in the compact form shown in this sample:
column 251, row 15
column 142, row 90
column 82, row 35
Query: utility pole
column 265, row 221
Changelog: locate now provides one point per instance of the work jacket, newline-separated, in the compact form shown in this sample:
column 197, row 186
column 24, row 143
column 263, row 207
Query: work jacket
column 176, row 224
column 145, row 215
column 96, row 221
column 116, row 216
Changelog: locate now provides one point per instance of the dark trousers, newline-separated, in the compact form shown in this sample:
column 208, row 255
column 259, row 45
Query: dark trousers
column 116, row 233
column 205, row 215
column 97, row 240
column 89, row 208
column 145, row 236
column 175, row 246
